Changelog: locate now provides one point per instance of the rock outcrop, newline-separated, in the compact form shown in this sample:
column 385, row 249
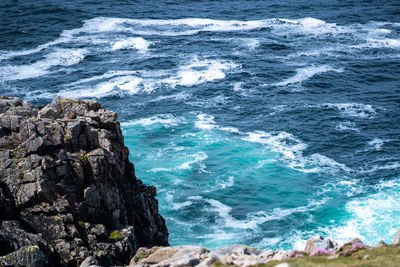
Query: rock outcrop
column 67, row 186
column 318, row 242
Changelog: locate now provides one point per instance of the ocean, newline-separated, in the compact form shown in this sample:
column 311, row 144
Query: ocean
column 259, row 122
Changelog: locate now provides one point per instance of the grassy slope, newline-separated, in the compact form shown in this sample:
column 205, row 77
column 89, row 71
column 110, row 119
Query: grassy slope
column 375, row 257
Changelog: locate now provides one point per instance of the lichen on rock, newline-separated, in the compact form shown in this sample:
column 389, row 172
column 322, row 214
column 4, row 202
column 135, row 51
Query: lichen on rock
column 67, row 186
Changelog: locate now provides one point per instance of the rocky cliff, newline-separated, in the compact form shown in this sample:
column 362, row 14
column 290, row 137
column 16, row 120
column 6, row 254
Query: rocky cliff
column 67, row 188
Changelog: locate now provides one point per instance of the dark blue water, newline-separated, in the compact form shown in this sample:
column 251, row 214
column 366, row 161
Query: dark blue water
column 260, row 122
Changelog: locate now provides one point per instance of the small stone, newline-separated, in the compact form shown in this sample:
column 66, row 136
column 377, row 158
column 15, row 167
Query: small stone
column 380, row 244
column 335, row 256
column 280, row 256
column 285, row 264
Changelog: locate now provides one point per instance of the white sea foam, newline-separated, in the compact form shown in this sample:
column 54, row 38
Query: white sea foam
column 178, row 206
column 229, row 183
column 133, row 82
column 237, row 86
column 253, row 220
column 133, row 42
column 179, row 96
column 372, row 218
column 166, row 120
column 197, row 159
column 390, row 166
column 60, row 57
column 376, row 143
column 230, row 129
column 201, row 71
column 130, row 84
column 306, row 73
column 250, row 43
column 205, row 122
column 161, row 170
column 354, row 109
column 346, row 126
column 291, row 149
column 386, row 42
column 107, row 75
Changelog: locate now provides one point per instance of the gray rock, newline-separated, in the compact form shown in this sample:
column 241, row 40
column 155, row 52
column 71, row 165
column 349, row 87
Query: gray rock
column 186, row 262
column 267, row 254
column 30, row 256
column 248, row 260
column 237, row 250
column 318, row 242
column 380, row 244
column 170, row 256
column 89, row 262
column 209, row 260
column 280, row 255
column 65, row 175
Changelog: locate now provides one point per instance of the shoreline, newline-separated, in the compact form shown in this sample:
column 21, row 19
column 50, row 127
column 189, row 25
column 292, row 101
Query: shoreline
column 69, row 196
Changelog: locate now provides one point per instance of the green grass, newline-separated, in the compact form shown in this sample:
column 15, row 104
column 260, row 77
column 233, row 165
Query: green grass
column 376, row 257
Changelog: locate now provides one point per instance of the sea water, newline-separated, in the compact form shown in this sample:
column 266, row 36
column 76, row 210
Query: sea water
column 259, row 122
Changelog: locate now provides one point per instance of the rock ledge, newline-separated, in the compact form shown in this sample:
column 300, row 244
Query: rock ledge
column 67, row 186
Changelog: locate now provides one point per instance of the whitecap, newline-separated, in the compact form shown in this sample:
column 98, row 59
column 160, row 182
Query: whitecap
column 229, row 183
column 205, row 122
column 197, row 158
column 60, row 57
column 107, row 75
column 390, row 166
column 130, row 84
column 371, row 218
column 133, row 42
column 161, row 170
column 238, row 86
column 385, row 43
column 166, row 120
column 291, row 149
column 309, row 26
column 201, row 71
column 178, row 96
column 306, row 73
column 376, row 143
column 178, row 206
column 346, row 126
column 354, row 109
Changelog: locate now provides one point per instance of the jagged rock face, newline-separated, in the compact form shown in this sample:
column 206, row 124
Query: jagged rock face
column 66, row 185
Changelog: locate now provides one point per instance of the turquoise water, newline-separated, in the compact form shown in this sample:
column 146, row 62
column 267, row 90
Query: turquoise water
column 259, row 122
column 220, row 186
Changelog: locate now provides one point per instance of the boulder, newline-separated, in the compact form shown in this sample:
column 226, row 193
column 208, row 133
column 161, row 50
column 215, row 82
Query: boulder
column 349, row 248
column 318, row 242
column 280, row 255
column 171, row 256
column 380, row 244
